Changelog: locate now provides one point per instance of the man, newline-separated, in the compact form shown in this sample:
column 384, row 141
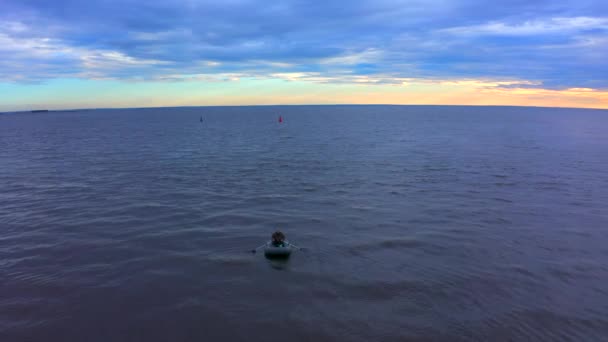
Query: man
column 278, row 239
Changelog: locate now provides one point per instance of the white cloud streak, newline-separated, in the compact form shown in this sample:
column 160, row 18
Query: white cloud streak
column 532, row 27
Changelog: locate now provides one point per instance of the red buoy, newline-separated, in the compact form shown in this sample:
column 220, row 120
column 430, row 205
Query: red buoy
column 280, row 119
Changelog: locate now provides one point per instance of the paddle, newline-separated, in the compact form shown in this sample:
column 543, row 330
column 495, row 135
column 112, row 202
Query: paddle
column 291, row 244
column 299, row 248
column 256, row 249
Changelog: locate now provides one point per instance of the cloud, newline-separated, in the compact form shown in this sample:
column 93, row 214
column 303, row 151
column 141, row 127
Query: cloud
column 366, row 56
column 39, row 58
column 533, row 27
column 559, row 44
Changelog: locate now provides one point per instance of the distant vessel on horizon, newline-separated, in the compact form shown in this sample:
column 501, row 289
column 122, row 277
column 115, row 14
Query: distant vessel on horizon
column 39, row 110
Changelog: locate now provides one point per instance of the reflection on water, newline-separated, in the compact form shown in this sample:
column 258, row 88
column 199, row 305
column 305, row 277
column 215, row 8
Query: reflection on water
column 280, row 264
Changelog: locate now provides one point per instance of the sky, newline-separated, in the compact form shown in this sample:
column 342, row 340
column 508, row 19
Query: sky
column 65, row 54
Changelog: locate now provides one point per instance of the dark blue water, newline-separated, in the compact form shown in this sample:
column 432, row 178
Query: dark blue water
column 430, row 223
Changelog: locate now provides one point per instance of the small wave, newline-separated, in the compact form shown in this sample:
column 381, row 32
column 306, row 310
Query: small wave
column 232, row 218
column 496, row 220
column 505, row 184
column 367, row 290
column 385, row 244
column 542, row 325
column 34, row 278
column 229, row 260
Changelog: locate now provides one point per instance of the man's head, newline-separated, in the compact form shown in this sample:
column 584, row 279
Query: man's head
column 278, row 236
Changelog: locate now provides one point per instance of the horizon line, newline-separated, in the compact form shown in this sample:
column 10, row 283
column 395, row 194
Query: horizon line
column 297, row 105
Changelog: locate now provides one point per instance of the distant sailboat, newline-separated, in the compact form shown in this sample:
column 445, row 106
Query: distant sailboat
column 201, row 119
column 280, row 119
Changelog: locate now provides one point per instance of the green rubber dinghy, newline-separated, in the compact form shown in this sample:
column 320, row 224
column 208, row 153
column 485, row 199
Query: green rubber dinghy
column 278, row 251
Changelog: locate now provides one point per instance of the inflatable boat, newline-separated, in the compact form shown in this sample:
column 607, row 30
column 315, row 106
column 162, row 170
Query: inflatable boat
column 282, row 251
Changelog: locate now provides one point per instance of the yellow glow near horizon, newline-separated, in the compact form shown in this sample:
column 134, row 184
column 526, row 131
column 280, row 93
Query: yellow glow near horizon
column 296, row 89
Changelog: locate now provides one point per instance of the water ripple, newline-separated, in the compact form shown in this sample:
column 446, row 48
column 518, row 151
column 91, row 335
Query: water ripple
column 419, row 223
